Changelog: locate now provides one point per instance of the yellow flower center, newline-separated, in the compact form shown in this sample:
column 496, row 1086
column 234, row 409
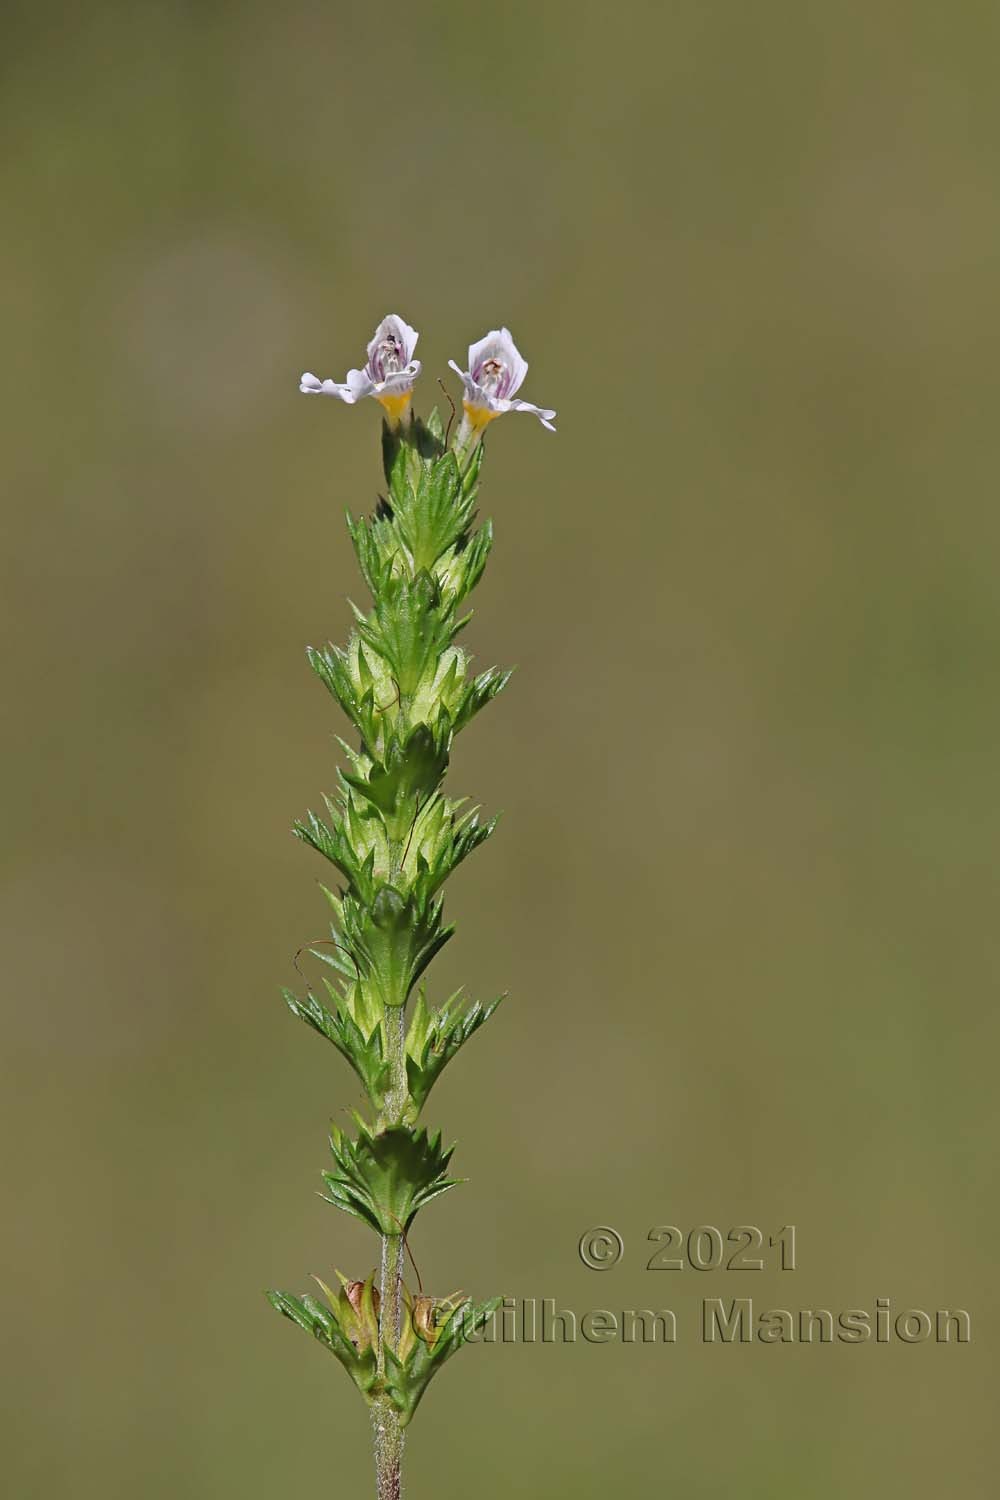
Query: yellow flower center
column 478, row 416
column 395, row 405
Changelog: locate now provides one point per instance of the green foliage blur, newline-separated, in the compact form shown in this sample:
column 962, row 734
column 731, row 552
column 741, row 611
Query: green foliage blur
column 744, row 890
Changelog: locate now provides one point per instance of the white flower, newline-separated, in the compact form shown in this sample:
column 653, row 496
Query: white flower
column 388, row 375
column 495, row 374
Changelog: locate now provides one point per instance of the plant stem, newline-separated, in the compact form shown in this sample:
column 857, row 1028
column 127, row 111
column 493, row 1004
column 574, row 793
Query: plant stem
column 388, row 1438
column 395, row 1051
column 391, row 1272
column 387, row 1433
column 390, row 1287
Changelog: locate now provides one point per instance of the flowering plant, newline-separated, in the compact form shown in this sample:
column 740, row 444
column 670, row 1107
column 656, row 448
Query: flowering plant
column 394, row 836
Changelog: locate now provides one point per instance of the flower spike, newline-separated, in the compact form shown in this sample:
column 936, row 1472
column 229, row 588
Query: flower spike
column 394, row 835
column 388, row 375
column 496, row 373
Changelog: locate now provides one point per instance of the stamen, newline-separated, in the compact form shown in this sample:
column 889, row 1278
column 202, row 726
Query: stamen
column 491, row 377
column 393, row 354
column 388, row 358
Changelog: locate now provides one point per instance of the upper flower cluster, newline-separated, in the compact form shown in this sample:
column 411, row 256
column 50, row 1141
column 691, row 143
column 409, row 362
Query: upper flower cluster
column 495, row 374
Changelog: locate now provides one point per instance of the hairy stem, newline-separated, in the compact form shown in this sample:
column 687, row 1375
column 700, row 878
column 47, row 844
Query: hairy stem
column 386, row 1430
column 391, row 1271
column 388, row 1437
column 395, row 1043
column 390, row 1291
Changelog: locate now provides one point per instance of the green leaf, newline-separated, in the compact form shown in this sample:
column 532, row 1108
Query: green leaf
column 395, row 462
column 455, row 842
column 378, row 549
column 384, row 1178
column 438, row 514
column 460, row 568
column 408, row 771
column 407, row 1382
column 434, row 1038
column 394, row 939
column 323, row 1324
column 409, row 627
column 332, row 666
column 336, row 845
column 435, row 432
column 482, row 690
column 365, row 1054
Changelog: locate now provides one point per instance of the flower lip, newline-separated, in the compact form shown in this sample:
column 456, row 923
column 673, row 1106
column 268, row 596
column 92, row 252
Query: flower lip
column 495, row 374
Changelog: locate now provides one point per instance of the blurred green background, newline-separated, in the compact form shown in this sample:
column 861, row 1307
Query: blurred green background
column 744, row 892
